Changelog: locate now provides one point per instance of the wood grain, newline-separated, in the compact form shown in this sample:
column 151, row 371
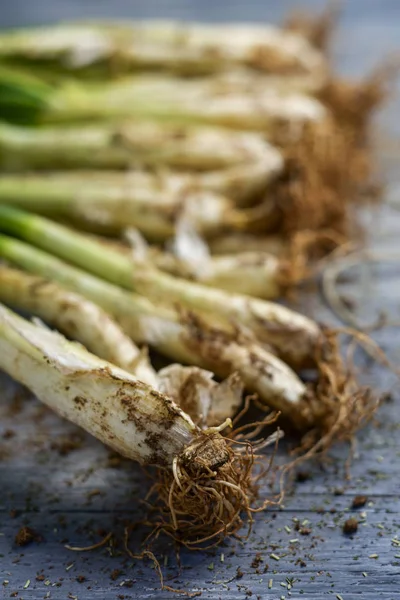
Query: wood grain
column 77, row 498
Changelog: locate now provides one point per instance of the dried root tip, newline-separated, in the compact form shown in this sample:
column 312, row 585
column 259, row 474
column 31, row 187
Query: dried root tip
column 352, row 103
column 352, row 106
column 336, row 406
column 317, row 29
column 210, row 493
column 307, row 251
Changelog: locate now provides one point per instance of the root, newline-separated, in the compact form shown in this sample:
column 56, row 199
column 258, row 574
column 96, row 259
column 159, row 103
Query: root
column 352, row 103
column 307, row 252
column 336, row 406
column 207, row 505
column 331, row 166
column 100, row 544
column 317, row 29
column 324, row 170
column 199, row 506
column 255, row 425
column 151, row 556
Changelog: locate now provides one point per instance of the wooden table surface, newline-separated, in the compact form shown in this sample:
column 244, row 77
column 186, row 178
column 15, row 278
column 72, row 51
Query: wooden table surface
column 76, row 496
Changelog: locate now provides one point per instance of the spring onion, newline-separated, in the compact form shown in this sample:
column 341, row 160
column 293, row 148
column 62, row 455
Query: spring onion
column 183, row 337
column 137, row 422
column 119, row 146
column 258, row 274
column 293, row 336
column 156, row 97
column 110, row 202
column 83, row 387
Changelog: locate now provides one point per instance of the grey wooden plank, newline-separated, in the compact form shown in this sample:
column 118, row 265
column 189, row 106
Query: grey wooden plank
column 54, row 494
column 334, row 563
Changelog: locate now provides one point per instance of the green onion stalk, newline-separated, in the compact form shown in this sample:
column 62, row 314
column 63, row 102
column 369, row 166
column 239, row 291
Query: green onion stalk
column 113, row 201
column 254, row 273
column 48, row 364
column 155, row 97
column 122, row 145
column 153, row 203
column 292, row 336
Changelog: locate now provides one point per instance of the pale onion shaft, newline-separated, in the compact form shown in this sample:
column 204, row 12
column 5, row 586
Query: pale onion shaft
column 182, row 337
column 121, row 411
column 109, row 201
column 175, row 46
column 160, row 98
column 293, row 336
column 251, row 273
column 255, row 274
column 76, row 317
column 122, row 145
column 201, row 101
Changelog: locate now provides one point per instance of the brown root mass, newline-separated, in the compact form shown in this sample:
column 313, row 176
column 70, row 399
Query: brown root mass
column 324, row 173
column 199, row 506
column 336, row 406
column 353, row 102
column 329, row 170
column 331, row 166
column 306, row 252
column 317, row 29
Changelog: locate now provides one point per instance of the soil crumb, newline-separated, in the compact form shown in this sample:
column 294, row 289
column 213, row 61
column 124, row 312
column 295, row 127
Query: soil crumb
column 26, row 535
